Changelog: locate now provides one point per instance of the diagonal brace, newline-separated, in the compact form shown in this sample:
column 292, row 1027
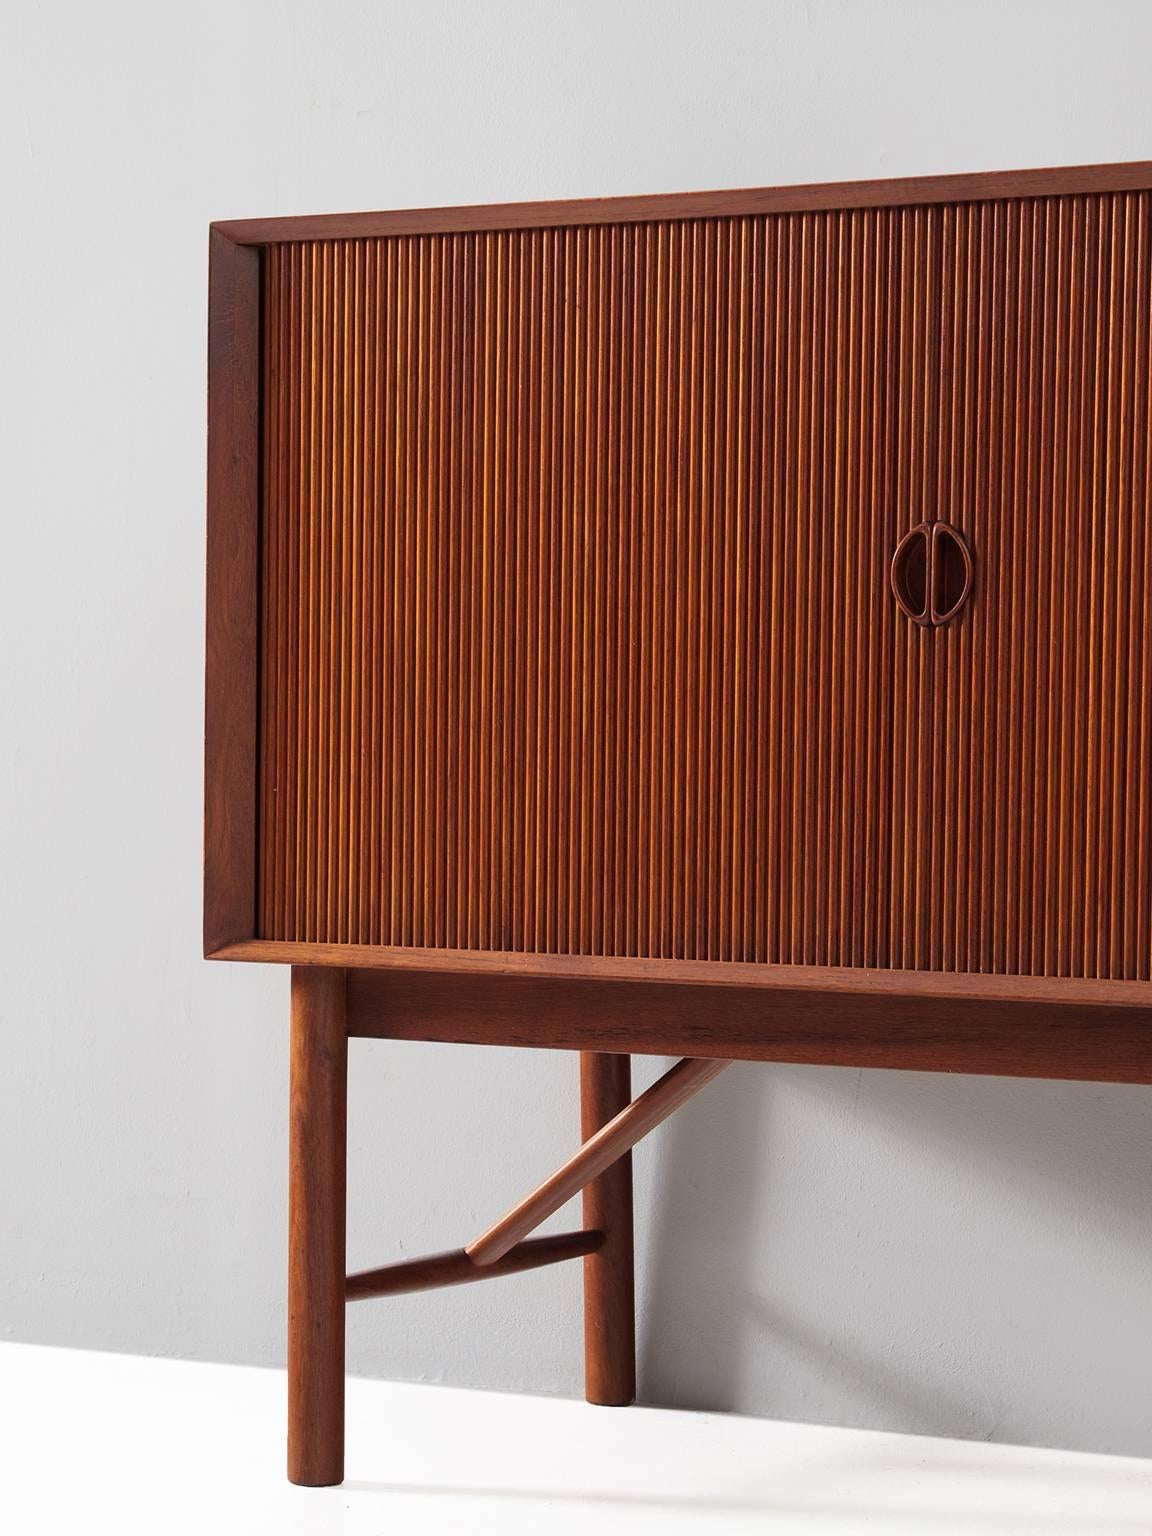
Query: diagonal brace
column 600, row 1151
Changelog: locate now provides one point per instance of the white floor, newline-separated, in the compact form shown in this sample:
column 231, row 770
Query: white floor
column 119, row 1444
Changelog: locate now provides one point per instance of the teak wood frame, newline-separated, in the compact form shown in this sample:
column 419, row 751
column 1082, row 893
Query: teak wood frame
column 604, row 1008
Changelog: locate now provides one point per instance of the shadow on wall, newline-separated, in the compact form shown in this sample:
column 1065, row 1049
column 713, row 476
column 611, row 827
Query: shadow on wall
column 711, row 1181
column 942, row 1255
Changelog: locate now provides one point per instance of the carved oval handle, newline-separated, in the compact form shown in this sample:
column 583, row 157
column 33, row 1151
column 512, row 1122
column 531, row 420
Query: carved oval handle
column 931, row 573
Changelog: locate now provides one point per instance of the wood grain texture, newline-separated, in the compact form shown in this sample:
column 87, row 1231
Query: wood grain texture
column 317, row 1186
column 894, row 192
column 577, row 634
column 926, row 1032
column 456, row 1268
column 230, row 708
column 609, row 1273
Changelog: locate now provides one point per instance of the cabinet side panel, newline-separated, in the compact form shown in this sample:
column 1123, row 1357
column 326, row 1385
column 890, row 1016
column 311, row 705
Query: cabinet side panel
column 230, row 706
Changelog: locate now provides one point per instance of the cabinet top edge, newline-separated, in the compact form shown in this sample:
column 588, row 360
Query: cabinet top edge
column 906, row 191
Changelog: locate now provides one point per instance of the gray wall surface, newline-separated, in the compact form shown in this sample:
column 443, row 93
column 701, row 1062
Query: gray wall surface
column 951, row 1255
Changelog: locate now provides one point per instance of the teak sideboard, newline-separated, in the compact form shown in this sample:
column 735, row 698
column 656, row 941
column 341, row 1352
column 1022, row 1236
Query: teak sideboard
column 711, row 625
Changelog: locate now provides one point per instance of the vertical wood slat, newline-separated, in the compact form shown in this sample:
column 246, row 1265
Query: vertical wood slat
column 577, row 630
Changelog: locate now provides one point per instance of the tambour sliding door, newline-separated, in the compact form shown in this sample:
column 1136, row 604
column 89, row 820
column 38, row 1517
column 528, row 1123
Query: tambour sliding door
column 1041, row 705
column 575, row 555
column 574, row 565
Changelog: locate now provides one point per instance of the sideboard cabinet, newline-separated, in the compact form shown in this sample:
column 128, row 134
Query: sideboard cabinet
column 713, row 625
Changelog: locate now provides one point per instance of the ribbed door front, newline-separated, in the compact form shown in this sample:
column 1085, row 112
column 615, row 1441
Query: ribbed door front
column 577, row 631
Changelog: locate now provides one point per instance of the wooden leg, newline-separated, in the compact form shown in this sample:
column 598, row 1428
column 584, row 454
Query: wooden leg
column 609, row 1287
column 316, row 1213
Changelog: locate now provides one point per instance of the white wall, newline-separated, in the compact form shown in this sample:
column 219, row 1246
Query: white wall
column 951, row 1255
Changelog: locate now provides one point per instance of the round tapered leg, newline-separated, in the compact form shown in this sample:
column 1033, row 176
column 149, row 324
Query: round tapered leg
column 316, row 1214
column 609, row 1286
